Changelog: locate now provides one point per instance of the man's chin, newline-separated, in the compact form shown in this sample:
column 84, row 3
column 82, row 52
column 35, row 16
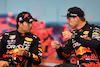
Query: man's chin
column 27, row 31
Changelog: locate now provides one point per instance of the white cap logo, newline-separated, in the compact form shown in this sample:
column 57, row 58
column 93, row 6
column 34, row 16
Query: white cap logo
column 20, row 19
column 73, row 14
column 30, row 20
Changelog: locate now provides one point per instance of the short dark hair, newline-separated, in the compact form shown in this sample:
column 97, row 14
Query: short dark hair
column 82, row 18
column 18, row 25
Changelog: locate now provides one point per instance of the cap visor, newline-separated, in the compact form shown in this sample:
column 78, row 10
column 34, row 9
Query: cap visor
column 34, row 19
column 66, row 16
column 63, row 15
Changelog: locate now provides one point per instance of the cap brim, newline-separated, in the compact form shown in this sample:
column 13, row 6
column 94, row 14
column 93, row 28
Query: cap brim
column 30, row 20
column 34, row 19
column 65, row 16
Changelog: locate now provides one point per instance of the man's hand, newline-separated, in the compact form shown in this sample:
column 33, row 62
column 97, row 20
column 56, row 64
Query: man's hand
column 3, row 63
column 67, row 34
column 22, row 52
column 55, row 44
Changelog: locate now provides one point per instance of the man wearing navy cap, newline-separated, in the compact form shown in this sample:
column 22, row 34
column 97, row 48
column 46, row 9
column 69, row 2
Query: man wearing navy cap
column 84, row 41
column 19, row 46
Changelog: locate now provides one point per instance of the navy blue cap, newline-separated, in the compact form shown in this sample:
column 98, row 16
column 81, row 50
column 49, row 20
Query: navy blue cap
column 74, row 11
column 25, row 16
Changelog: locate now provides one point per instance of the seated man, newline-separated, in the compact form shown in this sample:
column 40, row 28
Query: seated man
column 84, row 40
column 20, row 45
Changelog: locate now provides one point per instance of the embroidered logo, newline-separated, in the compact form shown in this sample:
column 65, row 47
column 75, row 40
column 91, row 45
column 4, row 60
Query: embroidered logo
column 12, row 36
column 28, row 39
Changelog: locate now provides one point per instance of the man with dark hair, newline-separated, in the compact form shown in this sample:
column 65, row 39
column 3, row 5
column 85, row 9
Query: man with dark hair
column 20, row 45
column 84, row 40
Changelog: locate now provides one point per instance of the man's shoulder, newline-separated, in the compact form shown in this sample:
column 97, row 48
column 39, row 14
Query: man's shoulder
column 93, row 25
column 9, row 33
column 32, row 35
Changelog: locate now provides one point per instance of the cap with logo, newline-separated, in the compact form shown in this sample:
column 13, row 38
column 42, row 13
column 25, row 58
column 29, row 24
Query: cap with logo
column 25, row 16
column 74, row 11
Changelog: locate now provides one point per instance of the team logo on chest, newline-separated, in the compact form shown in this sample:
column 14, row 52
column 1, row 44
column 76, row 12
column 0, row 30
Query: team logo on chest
column 28, row 39
column 12, row 36
column 85, row 35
